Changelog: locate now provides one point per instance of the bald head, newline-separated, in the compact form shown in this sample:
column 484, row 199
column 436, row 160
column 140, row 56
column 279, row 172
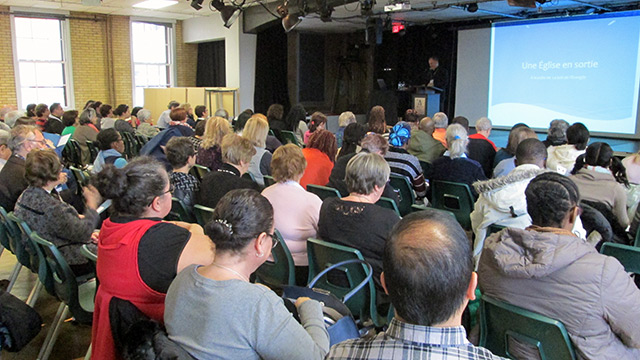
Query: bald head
column 531, row 151
column 427, row 125
column 429, row 256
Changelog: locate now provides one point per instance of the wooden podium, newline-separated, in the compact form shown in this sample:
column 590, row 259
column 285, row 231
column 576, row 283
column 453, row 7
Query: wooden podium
column 426, row 100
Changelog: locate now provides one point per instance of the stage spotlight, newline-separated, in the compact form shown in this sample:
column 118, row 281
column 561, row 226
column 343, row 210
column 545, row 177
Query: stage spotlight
column 228, row 13
column 196, row 4
column 289, row 21
column 472, row 7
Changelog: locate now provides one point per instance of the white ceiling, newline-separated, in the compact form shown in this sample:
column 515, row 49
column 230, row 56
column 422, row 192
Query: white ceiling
column 347, row 18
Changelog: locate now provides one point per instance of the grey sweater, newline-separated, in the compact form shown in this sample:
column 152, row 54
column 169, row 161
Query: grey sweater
column 234, row 319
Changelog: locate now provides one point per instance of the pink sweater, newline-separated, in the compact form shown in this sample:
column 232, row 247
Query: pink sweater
column 296, row 214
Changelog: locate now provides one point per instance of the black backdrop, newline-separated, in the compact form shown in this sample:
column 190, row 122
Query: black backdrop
column 271, row 70
column 211, row 70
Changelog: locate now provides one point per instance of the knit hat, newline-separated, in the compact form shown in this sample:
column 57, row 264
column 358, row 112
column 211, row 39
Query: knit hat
column 400, row 134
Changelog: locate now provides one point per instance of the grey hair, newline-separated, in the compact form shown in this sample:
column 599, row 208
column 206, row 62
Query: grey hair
column 86, row 116
column 11, row 117
column 558, row 129
column 222, row 113
column 483, row 124
column 441, row 120
column 4, row 137
column 365, row 171
column 346, row 118
column 144, row 115
column 19, row 135
column 456, row 140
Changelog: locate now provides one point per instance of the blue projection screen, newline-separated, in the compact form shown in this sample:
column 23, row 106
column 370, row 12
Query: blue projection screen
column 583, row 69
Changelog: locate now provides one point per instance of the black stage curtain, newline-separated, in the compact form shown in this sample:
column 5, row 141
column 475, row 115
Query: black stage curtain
column 211, row 71
column 271, row 70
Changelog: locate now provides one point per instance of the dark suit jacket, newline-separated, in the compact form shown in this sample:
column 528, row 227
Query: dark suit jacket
column 482, row 151
column 54, row 126
column 12, row 182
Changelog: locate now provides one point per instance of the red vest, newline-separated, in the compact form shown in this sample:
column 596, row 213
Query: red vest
column 119, row 276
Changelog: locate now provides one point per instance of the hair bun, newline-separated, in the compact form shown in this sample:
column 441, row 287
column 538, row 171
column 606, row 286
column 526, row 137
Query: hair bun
column 219, row 230
column 110, row 182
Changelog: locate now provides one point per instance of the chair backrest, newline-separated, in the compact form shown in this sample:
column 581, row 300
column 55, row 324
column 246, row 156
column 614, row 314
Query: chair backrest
column 500, row 321
column 323, row 254
column 180, row 212
column 64, row 280
column 289, row 137
column 281, row 271
column 199, row 171
column 268, row 180
column 203, row 214
column 493, row 228
column 17, row 242
column 141, row 140
column 93, row 150
column 385, row 202
column 4, row 230
column 636, row 242
column 81, row 177
column 454, row 197
column 406, row 196
column 72, row 153
column 36, row 257
column 417, row 207
column 323, row 192
column 629, row 256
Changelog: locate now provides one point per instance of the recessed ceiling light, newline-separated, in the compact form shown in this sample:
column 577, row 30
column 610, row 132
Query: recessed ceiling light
column 155, row 4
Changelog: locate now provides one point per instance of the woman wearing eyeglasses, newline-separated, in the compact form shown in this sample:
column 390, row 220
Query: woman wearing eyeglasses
column 214, row 312
column 138, row 253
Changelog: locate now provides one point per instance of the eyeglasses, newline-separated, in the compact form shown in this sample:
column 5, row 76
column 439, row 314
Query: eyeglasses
column 274, row 240
column 171, row 189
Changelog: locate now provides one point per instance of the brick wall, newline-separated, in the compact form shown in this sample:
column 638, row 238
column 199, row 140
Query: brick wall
column 7, row 76
column 119, row 57
column 186, row 60
column 88, row 58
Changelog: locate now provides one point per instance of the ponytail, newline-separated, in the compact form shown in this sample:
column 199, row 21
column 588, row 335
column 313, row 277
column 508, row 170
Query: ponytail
column 619, row 172
column 578, row 165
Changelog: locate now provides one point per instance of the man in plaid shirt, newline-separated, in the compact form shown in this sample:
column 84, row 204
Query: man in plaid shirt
column 428, row 274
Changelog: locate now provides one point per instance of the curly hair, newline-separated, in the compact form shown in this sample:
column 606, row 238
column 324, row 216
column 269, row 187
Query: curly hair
column 325, row 141
column 601, row 154
column 550, row 196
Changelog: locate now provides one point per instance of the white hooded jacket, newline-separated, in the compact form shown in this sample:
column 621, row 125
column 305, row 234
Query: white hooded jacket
column 562, row 158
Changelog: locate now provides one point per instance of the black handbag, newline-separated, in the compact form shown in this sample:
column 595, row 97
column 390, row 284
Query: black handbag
column 337, row 317
column 19, row 323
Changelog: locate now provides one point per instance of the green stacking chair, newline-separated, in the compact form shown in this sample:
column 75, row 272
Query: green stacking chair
column 18, row 247
column 76, row 293
column 493, row 228
column 385, row 202
column 268, row 180
column 405, row 193
column 323, row 192
column 180, row 212
column 629, row 256
column 454, row 197
column 416, row 207
column 93, row 150
column 72, row 154
column 288, row 137
column 500, row 321
column 280, row 271
column 203, row 214
column 636, row 242
column 199, row 171
column 323, row 254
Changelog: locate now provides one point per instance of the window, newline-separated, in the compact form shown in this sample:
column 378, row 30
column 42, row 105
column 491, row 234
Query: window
column 41, row 61
column 152, row 57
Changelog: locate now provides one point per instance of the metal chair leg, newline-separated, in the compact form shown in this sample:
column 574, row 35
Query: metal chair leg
column 14, row 276
column 49, row 339
column 35, row 292
column 88, row 356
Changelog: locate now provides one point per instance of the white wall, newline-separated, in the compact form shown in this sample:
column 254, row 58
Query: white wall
column 240, row 52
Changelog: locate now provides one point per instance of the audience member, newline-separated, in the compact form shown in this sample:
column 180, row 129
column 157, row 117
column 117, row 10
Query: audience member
column 23, row 120
column 320, row 154
column 557, row 133
column 256, row 132
column 296, row 211
column 352, row 136
column 548, row 270
column 146, row 128
column 318, row 121
column 562, row 158
column 236, row 155
column 210, row 154
column 191, row 120
column 5, row 152
column 122, row 123
column 134, row 116
column 516, row 136
column 107, row 120
column 441, row 121
column 355, row 220
column 111, row 147
column 198, row 135
column 296, row 121
column 42, row 115
column 3, row 112
column 510, row 149
column 11, row 117
column 377, row 122
column 271, row 143
column 222, row 113
column 43, row 210
column 177, row 127
column 423, row 145
column 602, row 178
column 411, row 117
column 86, row 131
column 462, row 121
column 454, row 165
column 139, row 255
column 31, row 111
column 402, row 163
column 182, row 157
column 241, row 121
column 165, row 117
column 275, row 113
column 501, row 201
column 202, row 113
column 344, row 120
column 257, row 324
column 427, row 256
column 632, row 166
column 23, row 139
column 54, row 123
column 70, row 122
column 480, row 148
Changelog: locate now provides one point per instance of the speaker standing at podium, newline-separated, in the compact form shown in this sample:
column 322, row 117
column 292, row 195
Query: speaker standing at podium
column 435, row 76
